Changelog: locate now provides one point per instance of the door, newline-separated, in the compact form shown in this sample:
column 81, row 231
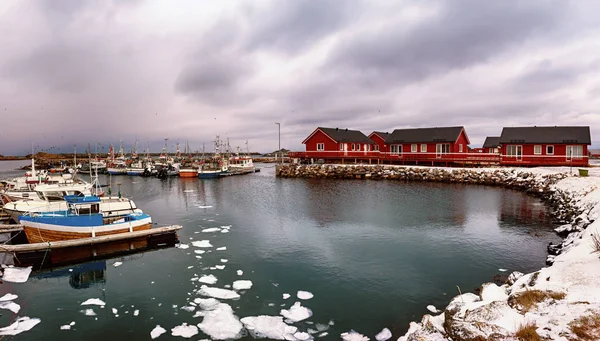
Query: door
column 441, row 149
column 345, row 149
column 519, row 152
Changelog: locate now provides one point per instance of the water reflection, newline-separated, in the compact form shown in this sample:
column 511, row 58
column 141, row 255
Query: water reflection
column 518, row 209
column 81, row 276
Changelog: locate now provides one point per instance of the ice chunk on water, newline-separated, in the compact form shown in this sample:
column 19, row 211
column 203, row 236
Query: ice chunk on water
column 16, row 275
column 199, row 251
column 202, row 243
column 72, row 323
column 65, row 327
column 268, row 327
column 206, row 303
column 223, row 294
column 432, row 309
column 117, row 264
column 323, row 334
column 223, row 260
column 240, row 272
column 184, row 330
column 296, row 313
column 8, row 297
column 502, row 270
column 88, row 312
column 321, row 327
column 227, row 227
column 188, row 308
column 219, row 267
column 303, row 336
column 222, row 248
column 224, row 231
column 384, row 335
column 115, row 311
column 242, row 285
column 211, row 229
column 286, row 296
column 157, row 331
column 182, row 246
column 208, row 279
column 221, row 324
column 22, row 324
column 353, row 336
column 304, row 295
column 10, row 305
column 93, row 301
column 204, row 206
column 136, row 312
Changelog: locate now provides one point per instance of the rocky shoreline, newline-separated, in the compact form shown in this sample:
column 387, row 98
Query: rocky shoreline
column 554, row 303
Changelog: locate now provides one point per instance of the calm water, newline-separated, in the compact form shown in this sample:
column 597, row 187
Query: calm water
column 374, row 254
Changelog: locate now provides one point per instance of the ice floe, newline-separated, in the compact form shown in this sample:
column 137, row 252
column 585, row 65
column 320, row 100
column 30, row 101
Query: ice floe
column 222, row 248
column 204, row 206
column 240, row 272
column 93, row 301
column 157, row 331
column 188, row 191
column 206, row 303
column 136, row 312
column 208, row 279
column 184, row 330
column 286, row 296
column 211, row 229
column 268, row 327
column 223, row 260
column 221, row 324
column 182, row 246
column 188, row 308
column 223, row 294
column 88, row 312
column 353, row 336
column 219, row 267
column 8, row 297
column 304, row 295
column 502, row 270
column 224, row 231
column 117, row 264
column 296, row 312
column 115, row 311
column 22, row 324
column 10, row 305
column 242, row 285
column 199, row 251
column 16, row 275
column 383, row 335
column 432, row 308
column 202, row 243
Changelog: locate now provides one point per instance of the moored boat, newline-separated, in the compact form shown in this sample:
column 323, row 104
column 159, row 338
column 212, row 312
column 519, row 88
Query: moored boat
column 188, row 172
column 82, row 219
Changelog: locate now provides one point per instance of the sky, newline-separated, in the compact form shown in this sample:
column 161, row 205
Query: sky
column 102, row 71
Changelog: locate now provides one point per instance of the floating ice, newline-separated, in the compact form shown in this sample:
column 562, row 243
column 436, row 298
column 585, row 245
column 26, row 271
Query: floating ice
column 353, row 336
column 223, row 294
column 88, row 312
column 240, row 272
column 115, row 311
column 207, row 303
column 302, row 336
column 207, row 206
column 268, row 327
column 136, row 312
column 188, row 308
column 502, row 270
column 22, row 324
column 223, row 260
column 184, row 330
column 296, row 313
column 222, row 248
column 93, row 301
column 242, row 285
column 157, row 331
column 384, row 335
column 199, row 251
column 8, row 297
column 323, row 334
column 211, row 229
column 16, row 275
column 286, row 296
column 304, row 295
column 65, row 327
column 191, row 266
column 224, row 231
column 182, row 246
column 221, row 324
column 321, row 327
column 220, row 267
column 117, row 264
column 72, row 323
column 202, row 243
column 208, row 279
column 10, row 305
column 432, row 309
column 188, row 191
column 226, row 227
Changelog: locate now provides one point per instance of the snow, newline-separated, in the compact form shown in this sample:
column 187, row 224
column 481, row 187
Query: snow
column 223, row 294
column 208, row 279
column 22, row 324
column 157, row 331
column 88, row 312
column 304, row 295
column 222, row 248
column 16, row 275
column 93, row 301
column 202, row 243
column 268, row 327
column 211, row 229
column 296, row 313
column 221, row 324
column 8, row 297
column 184, row 331
column 242, row 285
column 353, row 336
column 383, row 335
column 10, row 305
column 286, row 296
column 117, row 264
column 490, row 292
column 240, row 273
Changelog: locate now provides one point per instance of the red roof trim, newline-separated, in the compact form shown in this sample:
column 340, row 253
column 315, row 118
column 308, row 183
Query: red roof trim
column 314, row 132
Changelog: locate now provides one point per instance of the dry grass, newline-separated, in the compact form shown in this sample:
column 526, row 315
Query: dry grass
column 527, row 332
column 587, row 327
column 596, row 242
column 529, row 298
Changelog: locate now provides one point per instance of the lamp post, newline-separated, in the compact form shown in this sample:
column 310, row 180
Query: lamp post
column 279, row 145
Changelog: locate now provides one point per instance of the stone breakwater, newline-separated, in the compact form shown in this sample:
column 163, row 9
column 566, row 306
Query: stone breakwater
column 556, row 302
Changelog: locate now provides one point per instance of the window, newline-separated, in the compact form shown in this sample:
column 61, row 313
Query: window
column 549, row 150
column 341, row 146
column 321, row 146
column 376, row 147
column 442, row 148
column 413, row 148
column 537, row 150
column 424, row 148
column 574, row 152
column 514, row 151
column 460, row 148
column 367, row 147
column 396, row 149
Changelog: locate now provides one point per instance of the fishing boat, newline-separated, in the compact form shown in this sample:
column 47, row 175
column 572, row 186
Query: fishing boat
column 82, row 219
column 117, row 168
column 188, row 172
column 136, row 168
column 241, row 164
column 212, row 168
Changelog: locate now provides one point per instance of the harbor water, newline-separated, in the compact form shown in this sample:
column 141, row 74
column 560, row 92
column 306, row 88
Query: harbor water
column 374, row 254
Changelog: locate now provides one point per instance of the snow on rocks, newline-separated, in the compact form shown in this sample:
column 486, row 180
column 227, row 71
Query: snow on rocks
column 93, row 301
column 208, row 279
column 184, row 330
column 304, row 295
column 268, row 327
column 242, row 285
column 383, row 335
column 16, row 275
column 22, row 324
column 491, row 292
column 8, row 297
column 296, row 312
column 221, row 324
column 219, row 293
column 202, row 243
column 353, row 336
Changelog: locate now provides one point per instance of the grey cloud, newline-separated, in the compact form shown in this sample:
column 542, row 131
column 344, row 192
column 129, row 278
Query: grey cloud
column 545, row 76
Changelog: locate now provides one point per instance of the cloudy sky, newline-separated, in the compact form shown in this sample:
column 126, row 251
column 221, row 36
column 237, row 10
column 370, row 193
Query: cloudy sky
column 101, row 71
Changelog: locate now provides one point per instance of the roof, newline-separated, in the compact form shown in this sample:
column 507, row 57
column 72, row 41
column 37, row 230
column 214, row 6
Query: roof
column 343, row 135
column 415, row 135
column 557, row 135
column 383, row 135
column 491, row 142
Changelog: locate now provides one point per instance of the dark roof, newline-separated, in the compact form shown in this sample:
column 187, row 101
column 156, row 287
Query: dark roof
column 384, row 135
column 558, row 135
column 346, row 135
column 415, row 135
column 491, row 142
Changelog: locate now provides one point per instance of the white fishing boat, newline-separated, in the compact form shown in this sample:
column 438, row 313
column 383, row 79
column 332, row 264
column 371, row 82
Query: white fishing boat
column 23, row 187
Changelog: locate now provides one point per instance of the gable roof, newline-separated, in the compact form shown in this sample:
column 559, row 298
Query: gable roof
column 342, row 135
column 557, row 135
column 415, row 135
column 383, row 135
column 491, row 142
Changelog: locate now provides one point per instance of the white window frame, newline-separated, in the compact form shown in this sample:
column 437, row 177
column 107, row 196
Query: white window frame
column 547, row 152
column 572, row 154
column 537, row 149
column 376, row 148
column 423, row 147
column 460, row 147
column 413, row 148
column 341, row 147
column 320, row 147
column 396, row 149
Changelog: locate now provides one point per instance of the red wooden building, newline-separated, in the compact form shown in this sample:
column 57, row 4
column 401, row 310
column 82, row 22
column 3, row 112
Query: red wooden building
column 545, row 146
column 338, row 144
column 491, row 145
column 379, row 138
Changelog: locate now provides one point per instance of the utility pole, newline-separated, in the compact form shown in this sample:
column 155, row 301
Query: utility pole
column 279, row 145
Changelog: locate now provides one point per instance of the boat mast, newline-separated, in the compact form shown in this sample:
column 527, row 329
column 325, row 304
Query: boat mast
column 74, row 157
column 32, row 162
column 90, row 162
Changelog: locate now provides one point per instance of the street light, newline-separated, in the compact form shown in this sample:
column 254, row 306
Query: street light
column 279, row 135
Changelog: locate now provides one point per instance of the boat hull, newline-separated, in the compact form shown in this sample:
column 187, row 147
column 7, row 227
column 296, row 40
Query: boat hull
column 210, row 175
column 184, row 173
column 116, row 171
column 40, row 233
column 135, row 171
